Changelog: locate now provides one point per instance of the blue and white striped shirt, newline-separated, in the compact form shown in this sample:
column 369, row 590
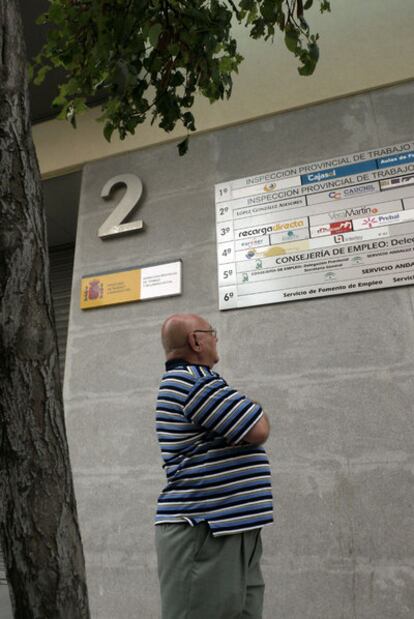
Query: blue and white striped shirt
column 212, row 475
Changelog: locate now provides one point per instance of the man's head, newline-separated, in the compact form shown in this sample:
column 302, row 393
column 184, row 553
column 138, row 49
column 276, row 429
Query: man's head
column 190, row 337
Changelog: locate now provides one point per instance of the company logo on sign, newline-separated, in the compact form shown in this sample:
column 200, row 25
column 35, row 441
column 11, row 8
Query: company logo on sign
column 349, row 238
column 395, row 182
column 369, row 222
column 390, row 218
column 270, row 187
column 382, row 220
column 341, row 226
column 353, row 212
column 299, row 223
column 255, row 231
column 403, row 158
column 351, row 191
column 290, row 235
column 337, row 227
column 320, row 176
column 322, row 230
column 254, row 242
column 262, row 230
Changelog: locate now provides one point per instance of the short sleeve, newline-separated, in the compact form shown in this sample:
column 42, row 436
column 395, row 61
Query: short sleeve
column 215, row 406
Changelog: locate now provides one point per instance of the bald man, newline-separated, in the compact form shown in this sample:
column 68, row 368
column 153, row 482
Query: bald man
column 218, row 492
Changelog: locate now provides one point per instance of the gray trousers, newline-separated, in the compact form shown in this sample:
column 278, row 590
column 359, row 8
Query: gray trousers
column 206, row 577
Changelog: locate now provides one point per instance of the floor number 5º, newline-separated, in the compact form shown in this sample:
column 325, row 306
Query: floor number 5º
column 113, row 226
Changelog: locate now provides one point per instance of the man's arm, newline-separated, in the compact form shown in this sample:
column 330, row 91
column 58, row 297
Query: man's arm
column 260, row 431
column 212, row 404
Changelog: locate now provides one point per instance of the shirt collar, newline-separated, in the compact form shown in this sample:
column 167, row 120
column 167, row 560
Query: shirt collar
column 172, row 364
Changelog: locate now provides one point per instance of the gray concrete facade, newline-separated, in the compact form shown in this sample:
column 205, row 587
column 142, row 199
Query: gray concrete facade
column 334, row 374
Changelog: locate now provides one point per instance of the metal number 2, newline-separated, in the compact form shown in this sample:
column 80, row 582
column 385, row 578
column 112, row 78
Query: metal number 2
column 112, row 226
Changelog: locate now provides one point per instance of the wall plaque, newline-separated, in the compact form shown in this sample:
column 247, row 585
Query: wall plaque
column 323, row 228
column 133, row 284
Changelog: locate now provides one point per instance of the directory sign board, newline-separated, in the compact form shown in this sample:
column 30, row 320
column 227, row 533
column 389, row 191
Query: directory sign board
column 323, row 228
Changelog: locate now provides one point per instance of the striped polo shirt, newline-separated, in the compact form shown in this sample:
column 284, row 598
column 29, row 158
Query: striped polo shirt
column 213, row 475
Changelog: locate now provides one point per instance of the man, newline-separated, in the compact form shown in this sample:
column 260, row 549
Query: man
column 218, row 492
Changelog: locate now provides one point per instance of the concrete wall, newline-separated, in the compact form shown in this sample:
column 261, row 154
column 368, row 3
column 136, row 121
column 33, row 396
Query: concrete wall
column 5, row 604
column 335, row 375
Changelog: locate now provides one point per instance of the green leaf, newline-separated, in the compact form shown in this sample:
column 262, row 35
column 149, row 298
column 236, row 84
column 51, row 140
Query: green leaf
column 41, row 74
column 108, row 131
column 187, row 101
column 183, row 146
column 154, row 34
column 188, row 121
column 42, row 19
column 59, row 101
column 226, row 64
column 307, row 68
column 291, row 40
column 309, row 59
column 174, row 49
column 258, row 29
column 307, row 5
column 177, row 79
column 248, row 5
column 267, row 9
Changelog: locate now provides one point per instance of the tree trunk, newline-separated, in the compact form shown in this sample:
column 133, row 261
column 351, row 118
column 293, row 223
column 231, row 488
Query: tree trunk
column 38, row 521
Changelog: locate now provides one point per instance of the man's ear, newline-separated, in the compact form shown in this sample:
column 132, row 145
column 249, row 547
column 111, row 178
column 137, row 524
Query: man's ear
column 193, row 342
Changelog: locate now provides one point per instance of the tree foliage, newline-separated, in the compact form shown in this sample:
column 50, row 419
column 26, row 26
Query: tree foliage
column 151, row 57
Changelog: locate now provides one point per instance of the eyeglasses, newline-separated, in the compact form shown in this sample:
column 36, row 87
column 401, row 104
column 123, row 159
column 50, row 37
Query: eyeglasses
column 212, row 331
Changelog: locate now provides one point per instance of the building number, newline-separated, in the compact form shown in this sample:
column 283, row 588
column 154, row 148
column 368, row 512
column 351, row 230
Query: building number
column 113, row 226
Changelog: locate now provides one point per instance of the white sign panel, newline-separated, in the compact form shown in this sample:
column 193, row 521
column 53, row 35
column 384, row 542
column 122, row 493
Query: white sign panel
column 328, row 227
column 161, row 280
